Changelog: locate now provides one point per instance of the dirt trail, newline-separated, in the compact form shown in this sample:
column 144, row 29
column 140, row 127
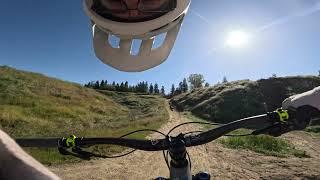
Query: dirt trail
column 222, row 163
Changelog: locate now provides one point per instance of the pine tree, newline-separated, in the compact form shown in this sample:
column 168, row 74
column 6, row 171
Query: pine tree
column 142, row 87
column 224, row 80
column 151, row 89
column 121, row 87
column 181, row 87
column 173, row 89
column 207, row 84
column 185, row 85
column 146, row 86
column 162, row 91
column 126, row 86
column 97, row 85
column 102, row 85
column 156, row 89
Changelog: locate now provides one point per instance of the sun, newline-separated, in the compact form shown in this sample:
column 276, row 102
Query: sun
column 237, row 39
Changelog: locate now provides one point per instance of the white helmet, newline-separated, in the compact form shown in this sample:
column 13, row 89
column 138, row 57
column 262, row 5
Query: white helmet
column 121, row 58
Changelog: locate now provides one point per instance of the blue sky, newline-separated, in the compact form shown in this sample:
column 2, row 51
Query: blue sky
column 54, row 38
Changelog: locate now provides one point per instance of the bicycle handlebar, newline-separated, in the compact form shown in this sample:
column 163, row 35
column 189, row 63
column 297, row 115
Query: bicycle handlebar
column 279, row 119
column 148, row 145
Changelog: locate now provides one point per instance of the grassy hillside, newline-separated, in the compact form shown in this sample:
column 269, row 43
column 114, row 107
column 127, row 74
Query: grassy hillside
column 33, row 105
column 230, row 101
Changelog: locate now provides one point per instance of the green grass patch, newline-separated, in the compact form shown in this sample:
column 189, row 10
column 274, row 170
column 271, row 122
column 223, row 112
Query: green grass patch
column 264, row 144
column 313, row 130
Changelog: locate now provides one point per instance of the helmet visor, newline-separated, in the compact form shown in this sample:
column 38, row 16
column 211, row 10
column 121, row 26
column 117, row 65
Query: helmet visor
column 133, row 10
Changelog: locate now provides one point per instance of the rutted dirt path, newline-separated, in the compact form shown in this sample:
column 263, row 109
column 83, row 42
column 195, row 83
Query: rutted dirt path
column 222, row 163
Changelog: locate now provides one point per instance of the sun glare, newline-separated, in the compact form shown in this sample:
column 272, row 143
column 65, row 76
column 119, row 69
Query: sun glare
column 237, row 39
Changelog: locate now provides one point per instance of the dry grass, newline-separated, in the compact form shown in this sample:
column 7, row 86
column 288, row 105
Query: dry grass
column 230, row 101
column 33, row 105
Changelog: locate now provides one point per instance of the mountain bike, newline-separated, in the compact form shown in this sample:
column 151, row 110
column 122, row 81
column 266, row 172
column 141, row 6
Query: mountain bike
column 274, row 123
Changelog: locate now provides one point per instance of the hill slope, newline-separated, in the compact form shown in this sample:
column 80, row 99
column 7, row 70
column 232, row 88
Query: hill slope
column 231, row 101
column 33, row 105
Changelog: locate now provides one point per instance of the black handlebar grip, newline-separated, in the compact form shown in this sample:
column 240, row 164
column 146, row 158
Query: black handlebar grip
column 303, row 116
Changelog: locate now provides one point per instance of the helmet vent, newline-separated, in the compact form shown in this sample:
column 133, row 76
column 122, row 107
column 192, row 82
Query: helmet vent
column 135, row 48
column 114, row 41
column 159, row 40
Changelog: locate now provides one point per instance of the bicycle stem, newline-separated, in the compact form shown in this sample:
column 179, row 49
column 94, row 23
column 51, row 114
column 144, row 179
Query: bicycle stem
column 179, row 165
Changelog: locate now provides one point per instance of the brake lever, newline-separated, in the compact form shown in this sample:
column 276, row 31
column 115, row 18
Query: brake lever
column 76, row 152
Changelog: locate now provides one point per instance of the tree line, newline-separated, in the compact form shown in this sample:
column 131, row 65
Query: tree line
column 192, row 82
column 141, row 87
